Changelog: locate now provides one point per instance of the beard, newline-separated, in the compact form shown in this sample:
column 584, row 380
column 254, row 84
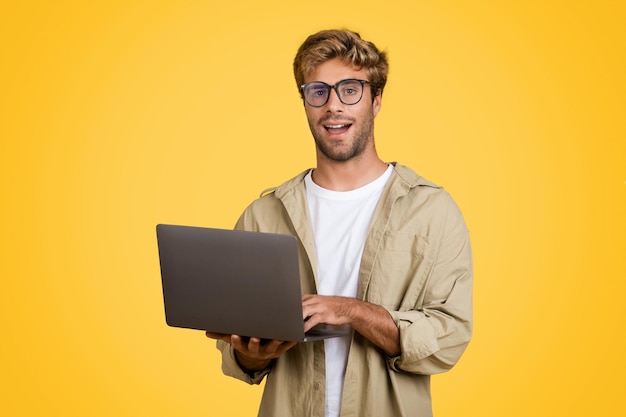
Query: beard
column 349, row 148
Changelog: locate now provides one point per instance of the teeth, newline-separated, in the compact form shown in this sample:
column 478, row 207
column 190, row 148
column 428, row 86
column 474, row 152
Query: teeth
column 335, row 126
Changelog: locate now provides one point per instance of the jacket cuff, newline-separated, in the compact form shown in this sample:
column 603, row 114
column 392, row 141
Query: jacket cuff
column 231, row 367
column 417, row 339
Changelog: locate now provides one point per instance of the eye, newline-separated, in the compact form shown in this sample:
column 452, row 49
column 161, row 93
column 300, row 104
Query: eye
column 317, row 90
column 351, row 88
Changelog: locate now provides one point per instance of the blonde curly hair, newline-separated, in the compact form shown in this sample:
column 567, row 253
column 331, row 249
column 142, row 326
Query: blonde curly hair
column 347, row 46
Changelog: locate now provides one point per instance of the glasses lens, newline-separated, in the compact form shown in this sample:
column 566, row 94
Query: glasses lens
column 316, row 94
column 350, row 91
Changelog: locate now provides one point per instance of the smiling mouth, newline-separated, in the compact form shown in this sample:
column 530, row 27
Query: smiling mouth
column 337, row 128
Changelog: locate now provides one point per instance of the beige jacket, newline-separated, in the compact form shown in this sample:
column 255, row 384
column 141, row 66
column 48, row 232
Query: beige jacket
column 416, row 263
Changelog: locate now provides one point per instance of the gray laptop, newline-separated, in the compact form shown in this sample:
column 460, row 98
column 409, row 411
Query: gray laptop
column 234, row 282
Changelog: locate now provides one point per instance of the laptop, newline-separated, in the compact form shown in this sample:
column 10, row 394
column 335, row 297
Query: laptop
column 234, row 282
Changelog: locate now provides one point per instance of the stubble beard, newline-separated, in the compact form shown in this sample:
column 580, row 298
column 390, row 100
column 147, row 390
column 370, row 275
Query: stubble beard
column 338, row 152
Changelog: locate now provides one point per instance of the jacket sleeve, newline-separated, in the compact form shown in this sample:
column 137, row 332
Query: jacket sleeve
column 231, row 367
column 436, row 331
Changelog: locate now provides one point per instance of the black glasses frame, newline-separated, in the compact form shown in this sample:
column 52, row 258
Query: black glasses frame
column 336, row 88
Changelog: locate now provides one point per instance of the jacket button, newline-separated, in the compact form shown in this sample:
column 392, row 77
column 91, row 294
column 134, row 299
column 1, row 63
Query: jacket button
column 317, row 386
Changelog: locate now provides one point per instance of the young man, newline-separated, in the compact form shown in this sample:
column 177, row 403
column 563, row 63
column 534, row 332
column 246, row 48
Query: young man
column 381, row 249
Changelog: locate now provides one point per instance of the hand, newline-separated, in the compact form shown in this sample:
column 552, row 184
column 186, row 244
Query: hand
column 370, row 320
column 333, row 310
column 252, row 353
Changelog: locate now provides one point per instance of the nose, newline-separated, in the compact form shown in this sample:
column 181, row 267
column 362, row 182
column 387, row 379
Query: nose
column 334, row 103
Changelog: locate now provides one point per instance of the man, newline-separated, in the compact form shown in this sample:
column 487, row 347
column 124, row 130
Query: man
column 381, row 249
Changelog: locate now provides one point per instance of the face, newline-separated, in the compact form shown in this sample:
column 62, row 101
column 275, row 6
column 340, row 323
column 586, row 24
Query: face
column 341, row 131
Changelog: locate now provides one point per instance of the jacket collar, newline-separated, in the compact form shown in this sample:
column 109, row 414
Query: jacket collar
column 406, row 176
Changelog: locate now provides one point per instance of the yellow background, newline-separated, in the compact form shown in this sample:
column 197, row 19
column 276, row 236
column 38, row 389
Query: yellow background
column 118, row 115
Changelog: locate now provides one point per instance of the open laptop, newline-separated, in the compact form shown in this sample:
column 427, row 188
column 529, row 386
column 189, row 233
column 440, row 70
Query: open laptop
column 234, row 282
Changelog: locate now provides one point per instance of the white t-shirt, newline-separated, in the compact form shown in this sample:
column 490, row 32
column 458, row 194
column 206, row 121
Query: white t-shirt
column 340, row 221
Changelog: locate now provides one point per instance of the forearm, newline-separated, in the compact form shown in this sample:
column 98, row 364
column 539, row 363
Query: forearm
column 375, row 324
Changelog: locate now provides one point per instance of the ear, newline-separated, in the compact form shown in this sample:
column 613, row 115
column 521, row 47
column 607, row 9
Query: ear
column 377, row 103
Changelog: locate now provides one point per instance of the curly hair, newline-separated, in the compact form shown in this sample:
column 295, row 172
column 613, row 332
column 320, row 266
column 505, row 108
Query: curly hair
column 347, row 46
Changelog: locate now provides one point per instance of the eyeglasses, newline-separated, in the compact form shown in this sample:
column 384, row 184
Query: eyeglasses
column 349, row 91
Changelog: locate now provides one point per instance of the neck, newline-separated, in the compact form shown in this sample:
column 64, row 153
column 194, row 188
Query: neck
column 348, row 175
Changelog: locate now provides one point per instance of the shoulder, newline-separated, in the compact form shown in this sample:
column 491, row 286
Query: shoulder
column 411, row 178
column 421, row 201
column 269, row 207
column 408, row 183
column 273, row 195
column 287, row 186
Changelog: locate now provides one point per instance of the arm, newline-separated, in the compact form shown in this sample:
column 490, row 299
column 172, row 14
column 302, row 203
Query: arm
column 437, row 327
column 370, row 320
column 428, row 329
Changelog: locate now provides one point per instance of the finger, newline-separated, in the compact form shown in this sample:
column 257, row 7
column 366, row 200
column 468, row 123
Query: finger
column 237, row 343
column 310, row 299
column 288, row 345
column 273, row 346
column 314, row 306
column 312, row 321
column 284, row 346
column 218, row 336
column 310, row 305
column 254, row 345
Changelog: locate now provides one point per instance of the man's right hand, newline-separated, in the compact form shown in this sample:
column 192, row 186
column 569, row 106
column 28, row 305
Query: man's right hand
column 254, row 354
